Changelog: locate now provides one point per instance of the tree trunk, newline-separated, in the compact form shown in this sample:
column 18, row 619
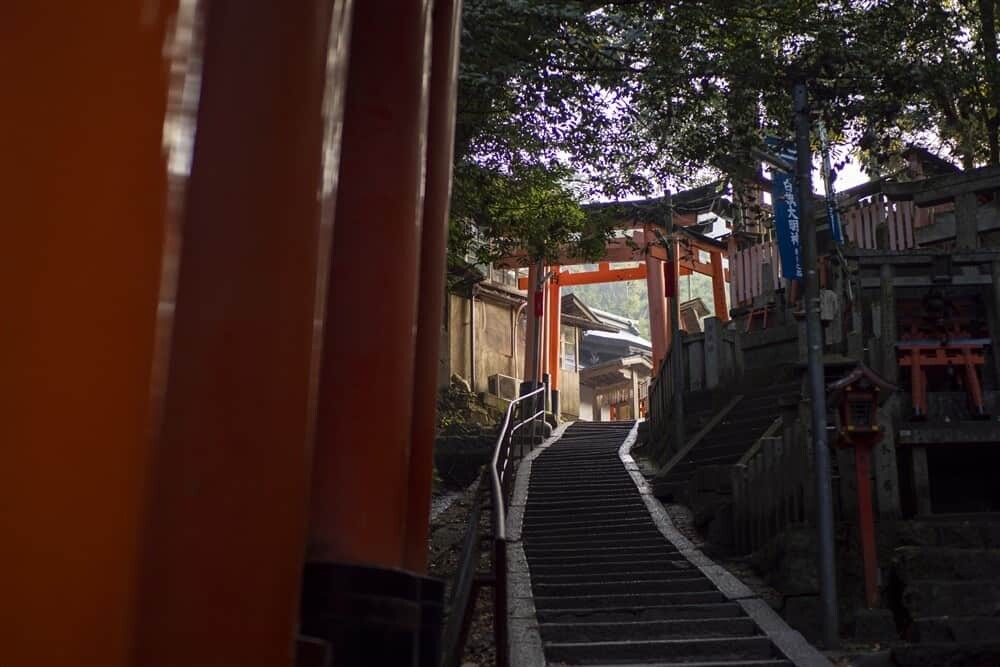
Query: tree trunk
column 987, row 18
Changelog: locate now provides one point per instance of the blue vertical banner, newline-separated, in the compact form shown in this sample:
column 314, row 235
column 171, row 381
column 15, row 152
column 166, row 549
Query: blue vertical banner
column 786, row 212
column 832, row 215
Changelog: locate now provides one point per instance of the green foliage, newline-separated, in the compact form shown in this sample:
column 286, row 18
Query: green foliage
column 636, row 94
column 560, row 101
column 495, row 213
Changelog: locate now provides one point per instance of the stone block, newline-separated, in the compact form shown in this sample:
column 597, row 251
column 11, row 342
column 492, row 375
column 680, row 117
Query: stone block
column 805, row 614
column 915, row 563
column 961, row 629
column 874, row 625
column 917, row 533
column 978, row 654
column 951, row 598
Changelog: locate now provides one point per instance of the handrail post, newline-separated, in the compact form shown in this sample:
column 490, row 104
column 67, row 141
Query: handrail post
column 500, row 601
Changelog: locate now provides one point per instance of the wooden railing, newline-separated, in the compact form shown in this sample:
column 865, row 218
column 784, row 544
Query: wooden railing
column 708, row 360
column 753, row 272
column 901, row 217
column 772, row 488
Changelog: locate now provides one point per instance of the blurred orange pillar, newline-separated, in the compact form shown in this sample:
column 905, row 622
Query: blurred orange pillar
column 226, row 533
column 85, row 211
column 434, row 241
column 361, row 473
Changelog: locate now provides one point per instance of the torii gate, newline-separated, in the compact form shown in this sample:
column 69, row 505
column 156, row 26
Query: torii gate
column 661, row 277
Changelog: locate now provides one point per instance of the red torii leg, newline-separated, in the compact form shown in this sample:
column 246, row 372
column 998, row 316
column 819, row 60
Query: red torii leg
column 531, row 360
column 719, row 287
column 657, row 309
column 555, row 316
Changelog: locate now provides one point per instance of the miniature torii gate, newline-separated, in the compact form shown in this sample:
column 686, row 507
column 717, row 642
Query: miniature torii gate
column 661, row 277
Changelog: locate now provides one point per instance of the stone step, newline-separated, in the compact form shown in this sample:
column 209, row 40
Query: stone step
column 608, row 577
column 775, row 662
column 570, row 505
column 624, row 600
column 596, row 514
column 643, row 586
column 687, row 650
column 605, row 631
column 540, row 568
column 610, row 614
column 645, row 536
column 957, row 532
column 543, row 524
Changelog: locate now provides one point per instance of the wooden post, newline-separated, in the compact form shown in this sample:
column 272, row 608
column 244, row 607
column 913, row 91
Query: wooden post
column 887, row 333
column 995, row 289
column 635, row 393
column 434, row 238
column 886, row 471
column 713, row 353
column 719, row 287
column 966, row 225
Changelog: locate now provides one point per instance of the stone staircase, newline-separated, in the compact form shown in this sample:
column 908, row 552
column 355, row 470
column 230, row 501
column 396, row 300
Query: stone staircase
column 608, row 586
column 946, row 578
column 730, row 439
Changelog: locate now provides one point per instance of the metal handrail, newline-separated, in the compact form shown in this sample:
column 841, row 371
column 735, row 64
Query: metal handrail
column 467, row 584
column 498, row 477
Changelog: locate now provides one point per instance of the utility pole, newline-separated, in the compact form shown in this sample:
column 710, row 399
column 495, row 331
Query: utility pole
column 817, row 388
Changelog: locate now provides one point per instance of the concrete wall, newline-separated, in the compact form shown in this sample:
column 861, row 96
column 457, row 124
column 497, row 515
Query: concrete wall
column 494, row 354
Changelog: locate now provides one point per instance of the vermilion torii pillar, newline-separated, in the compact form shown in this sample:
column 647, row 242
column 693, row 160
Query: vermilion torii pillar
column 554, row 339
column 658, row 329
column 533, row 324
column 440, row 145
column 719, row 287
column 225, row 529
column 366, row 385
